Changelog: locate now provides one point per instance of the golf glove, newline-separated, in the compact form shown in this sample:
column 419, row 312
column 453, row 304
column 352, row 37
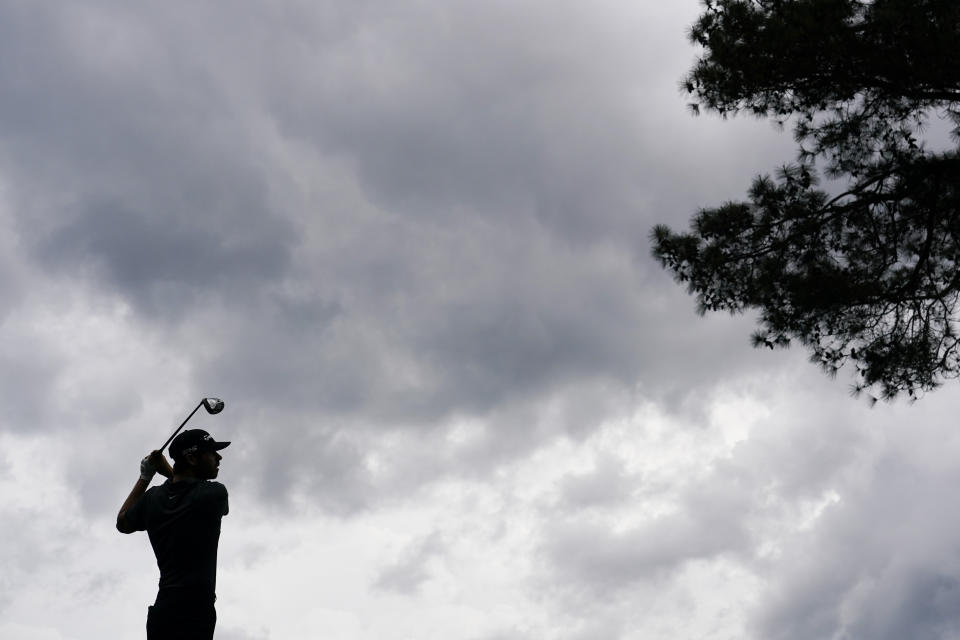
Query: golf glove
column 147, row 470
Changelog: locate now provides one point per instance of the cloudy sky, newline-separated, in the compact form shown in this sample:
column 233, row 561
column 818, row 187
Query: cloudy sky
column 407, row 242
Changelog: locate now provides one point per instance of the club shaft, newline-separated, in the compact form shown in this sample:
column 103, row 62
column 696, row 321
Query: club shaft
column 181, row 426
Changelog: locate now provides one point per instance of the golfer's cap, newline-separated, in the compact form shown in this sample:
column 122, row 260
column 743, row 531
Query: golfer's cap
column 193, row 440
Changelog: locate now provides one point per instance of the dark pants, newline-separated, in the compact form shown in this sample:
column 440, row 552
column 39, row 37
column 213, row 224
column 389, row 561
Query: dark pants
column 181, row 616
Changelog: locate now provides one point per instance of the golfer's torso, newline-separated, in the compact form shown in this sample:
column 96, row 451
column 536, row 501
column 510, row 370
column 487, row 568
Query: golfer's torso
column 183, row 522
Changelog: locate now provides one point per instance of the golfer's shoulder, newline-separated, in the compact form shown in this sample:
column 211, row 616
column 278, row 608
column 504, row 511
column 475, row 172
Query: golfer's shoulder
column 153, row 494
column 212, row 488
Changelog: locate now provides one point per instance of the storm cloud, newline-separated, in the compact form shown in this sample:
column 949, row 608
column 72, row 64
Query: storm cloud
column 408, row 243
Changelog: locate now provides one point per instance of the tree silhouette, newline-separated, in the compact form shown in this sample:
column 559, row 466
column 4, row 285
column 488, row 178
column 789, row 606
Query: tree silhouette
column 866, row 274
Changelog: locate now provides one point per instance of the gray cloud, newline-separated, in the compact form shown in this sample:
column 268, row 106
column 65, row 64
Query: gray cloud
column 881, row 563
column 367, row 225
column 413, row 567
column 241, row 634
column 286, row 460
column 595, row 557
column 506, row 197
column 130, row 166
column 28, row 370
column 597, row 546
column 32, row 542
column 504, row 635
column 609, row 483
column 160, row 262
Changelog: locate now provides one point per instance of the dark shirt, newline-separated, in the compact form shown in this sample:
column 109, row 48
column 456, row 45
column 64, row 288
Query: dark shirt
column 183, row 522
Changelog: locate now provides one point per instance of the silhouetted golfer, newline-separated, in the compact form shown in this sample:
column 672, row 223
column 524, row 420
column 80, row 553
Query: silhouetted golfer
column 182, row 518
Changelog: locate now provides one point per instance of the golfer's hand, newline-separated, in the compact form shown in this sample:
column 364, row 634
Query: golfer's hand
column 160, row 464
column 154, row 463
column 147, row 470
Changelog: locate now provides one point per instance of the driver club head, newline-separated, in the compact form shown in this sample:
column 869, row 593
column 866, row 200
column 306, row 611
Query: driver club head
column 213, row 405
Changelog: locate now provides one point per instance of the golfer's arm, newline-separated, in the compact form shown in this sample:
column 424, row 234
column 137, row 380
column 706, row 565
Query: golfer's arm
column 135, row 494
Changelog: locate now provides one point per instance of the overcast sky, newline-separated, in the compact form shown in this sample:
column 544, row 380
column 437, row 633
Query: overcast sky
column 408, row 244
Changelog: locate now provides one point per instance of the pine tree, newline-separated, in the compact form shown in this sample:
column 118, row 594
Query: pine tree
column 866, row 274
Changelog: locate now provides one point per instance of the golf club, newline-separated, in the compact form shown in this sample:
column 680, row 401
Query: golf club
column 212, row 405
